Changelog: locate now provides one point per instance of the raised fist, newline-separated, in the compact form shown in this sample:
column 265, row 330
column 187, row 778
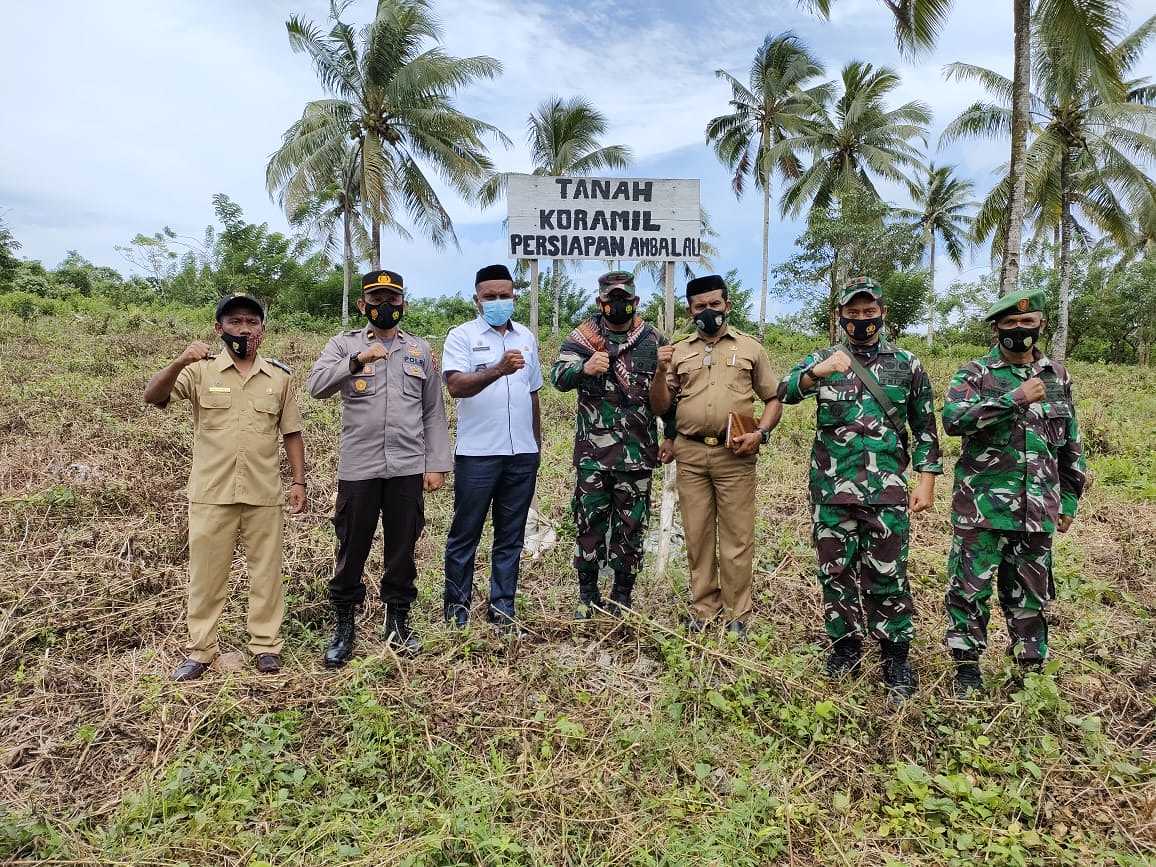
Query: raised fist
column 597, row 364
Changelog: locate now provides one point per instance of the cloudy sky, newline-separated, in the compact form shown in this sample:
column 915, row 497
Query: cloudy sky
column 126, row 116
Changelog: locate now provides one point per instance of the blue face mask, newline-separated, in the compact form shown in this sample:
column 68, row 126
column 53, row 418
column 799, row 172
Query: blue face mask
column 498, row 313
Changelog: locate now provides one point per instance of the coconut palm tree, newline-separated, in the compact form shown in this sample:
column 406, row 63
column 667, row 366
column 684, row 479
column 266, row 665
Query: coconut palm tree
column 391, row 94
column 769, row 112
column 563, row 135
column 1088, row 153
column 855, row 139
column 942, row 201
column 917, row 22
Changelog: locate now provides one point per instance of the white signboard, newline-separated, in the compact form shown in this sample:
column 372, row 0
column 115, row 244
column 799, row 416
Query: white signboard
column 603, row 218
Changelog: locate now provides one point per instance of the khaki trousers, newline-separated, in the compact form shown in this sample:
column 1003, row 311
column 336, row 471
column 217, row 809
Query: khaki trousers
column 213, row 534
column 716, row 494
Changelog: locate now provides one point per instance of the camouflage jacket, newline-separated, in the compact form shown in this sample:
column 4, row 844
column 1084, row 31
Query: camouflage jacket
column 1020, row 466
column 615, row 428
column 858, row 458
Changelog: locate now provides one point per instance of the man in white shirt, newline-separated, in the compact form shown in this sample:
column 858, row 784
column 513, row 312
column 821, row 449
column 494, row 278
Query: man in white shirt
column 491, row 366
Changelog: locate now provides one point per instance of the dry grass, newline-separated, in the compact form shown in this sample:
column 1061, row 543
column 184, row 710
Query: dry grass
column 602, row 744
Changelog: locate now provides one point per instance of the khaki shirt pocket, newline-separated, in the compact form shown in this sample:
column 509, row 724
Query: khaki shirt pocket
column 216, row 409
column 688, row 375
column 266, row 413
column 740, row 374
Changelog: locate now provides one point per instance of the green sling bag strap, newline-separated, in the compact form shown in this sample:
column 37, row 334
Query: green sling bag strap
column 880, row 394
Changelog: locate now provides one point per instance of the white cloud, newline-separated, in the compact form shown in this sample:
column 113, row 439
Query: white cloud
column 160, row 105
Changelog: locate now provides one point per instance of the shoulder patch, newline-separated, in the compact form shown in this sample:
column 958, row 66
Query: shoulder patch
column 280, row 364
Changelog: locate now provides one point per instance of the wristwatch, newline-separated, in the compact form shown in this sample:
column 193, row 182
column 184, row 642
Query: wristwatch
column 354, row 364
column 766, row 435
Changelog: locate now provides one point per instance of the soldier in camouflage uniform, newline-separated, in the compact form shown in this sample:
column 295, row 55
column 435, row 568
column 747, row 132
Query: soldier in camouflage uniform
column 858, row 486
column 610, row 359
column 1018, row 479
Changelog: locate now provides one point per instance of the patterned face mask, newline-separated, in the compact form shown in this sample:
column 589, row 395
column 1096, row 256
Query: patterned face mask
column 1019, row 339
column 861, row 330
column 619, row 311
column 242, row 345
column 709, row 321
column 384, row 316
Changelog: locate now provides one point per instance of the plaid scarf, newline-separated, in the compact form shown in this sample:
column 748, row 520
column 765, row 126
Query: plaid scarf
column 590, row 337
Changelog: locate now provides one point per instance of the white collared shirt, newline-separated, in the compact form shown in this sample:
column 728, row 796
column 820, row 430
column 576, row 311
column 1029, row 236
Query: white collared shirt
column 498, row 420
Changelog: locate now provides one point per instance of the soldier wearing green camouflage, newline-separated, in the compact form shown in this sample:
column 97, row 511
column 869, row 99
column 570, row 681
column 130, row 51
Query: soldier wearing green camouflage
column 1018, row 479
column 858, row 483
column 610, row 360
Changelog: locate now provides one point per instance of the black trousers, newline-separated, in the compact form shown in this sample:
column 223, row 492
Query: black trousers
column 399, row 505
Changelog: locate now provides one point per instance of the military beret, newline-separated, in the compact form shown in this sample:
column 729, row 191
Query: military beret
column 859, row 286
column 615, row 280
column 709, row 283
column 239, row 299
column 493, row 272
column 1023, row 301
column 382, row 280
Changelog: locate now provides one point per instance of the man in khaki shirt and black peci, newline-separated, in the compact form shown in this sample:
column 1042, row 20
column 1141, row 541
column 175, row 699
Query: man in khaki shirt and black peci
column 395, row 445
column 702, row 380
column 241, row 403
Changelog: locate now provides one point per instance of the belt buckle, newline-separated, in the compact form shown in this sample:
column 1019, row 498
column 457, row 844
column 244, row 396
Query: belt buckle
column 710, row 441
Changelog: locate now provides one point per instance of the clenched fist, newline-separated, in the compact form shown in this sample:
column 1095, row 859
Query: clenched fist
column 1032, row 391
column 375, row 351
column 665, row 356
column 666, row 451
column 194, row 352
column 837, row 363
column 512, row 361
column 597, row 364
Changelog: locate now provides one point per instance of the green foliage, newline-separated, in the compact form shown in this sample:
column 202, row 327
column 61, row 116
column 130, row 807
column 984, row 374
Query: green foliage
column 8, row 259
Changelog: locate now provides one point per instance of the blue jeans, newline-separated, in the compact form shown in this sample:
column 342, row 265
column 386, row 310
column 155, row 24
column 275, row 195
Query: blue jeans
column 505, row 483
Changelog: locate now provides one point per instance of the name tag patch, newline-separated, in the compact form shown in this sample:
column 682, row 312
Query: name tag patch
column 413, row 369
column 219, row 389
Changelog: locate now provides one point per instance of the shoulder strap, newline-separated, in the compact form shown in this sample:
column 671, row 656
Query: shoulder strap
column 880, row 395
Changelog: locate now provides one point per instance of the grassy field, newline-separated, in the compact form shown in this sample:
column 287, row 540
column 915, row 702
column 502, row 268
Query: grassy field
column 578, row 745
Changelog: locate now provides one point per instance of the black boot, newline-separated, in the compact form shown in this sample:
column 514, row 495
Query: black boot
column 341, row 647
column 898, row 676
column 846, row 656
column 397, row 632
column 588, row 595
column 620, row 593
column 968, row 679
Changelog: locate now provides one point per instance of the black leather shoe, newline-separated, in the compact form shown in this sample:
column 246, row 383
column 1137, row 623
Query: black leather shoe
column 968, row 678
column 589, row 596
column 268, row 663
column 620, row 593
column 344, row 635
column 458, row 616
column 188, row 670
column 693, row 625
column 397, row 632
column 846, row 658
column 738, row 629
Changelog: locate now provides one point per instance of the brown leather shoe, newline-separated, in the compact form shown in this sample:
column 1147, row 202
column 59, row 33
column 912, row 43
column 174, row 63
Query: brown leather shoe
column 190, row 669
column 268, row 663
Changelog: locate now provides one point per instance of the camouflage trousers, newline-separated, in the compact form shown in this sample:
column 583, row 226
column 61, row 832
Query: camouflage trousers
column 615, row 501
column 1021, row 564
column 862, row 554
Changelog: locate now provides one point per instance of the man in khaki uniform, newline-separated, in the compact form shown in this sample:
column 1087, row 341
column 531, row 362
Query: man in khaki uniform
column 703, row 378
column 395, row 446
column 241, row 403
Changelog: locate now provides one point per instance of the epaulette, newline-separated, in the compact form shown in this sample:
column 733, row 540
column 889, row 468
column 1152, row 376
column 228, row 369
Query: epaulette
column 280, row 364
column 678, row 338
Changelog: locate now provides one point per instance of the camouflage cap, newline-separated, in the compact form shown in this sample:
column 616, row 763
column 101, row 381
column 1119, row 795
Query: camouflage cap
column 858, row 286
column 1023, row 301
column 612, row 280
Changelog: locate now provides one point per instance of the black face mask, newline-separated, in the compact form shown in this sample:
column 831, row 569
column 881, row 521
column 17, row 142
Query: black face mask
column 384, row 316
column 619, row 311
column 238, row 343
column 861, row 330
column 709, row 321
column 1018, row 339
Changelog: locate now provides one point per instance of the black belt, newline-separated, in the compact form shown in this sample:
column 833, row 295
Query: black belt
column 708, row 439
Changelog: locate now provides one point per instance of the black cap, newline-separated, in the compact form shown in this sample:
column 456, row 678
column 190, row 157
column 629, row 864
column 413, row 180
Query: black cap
column 493, row 272
column 239, row 299
column 709, row 283
column 382, row 280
